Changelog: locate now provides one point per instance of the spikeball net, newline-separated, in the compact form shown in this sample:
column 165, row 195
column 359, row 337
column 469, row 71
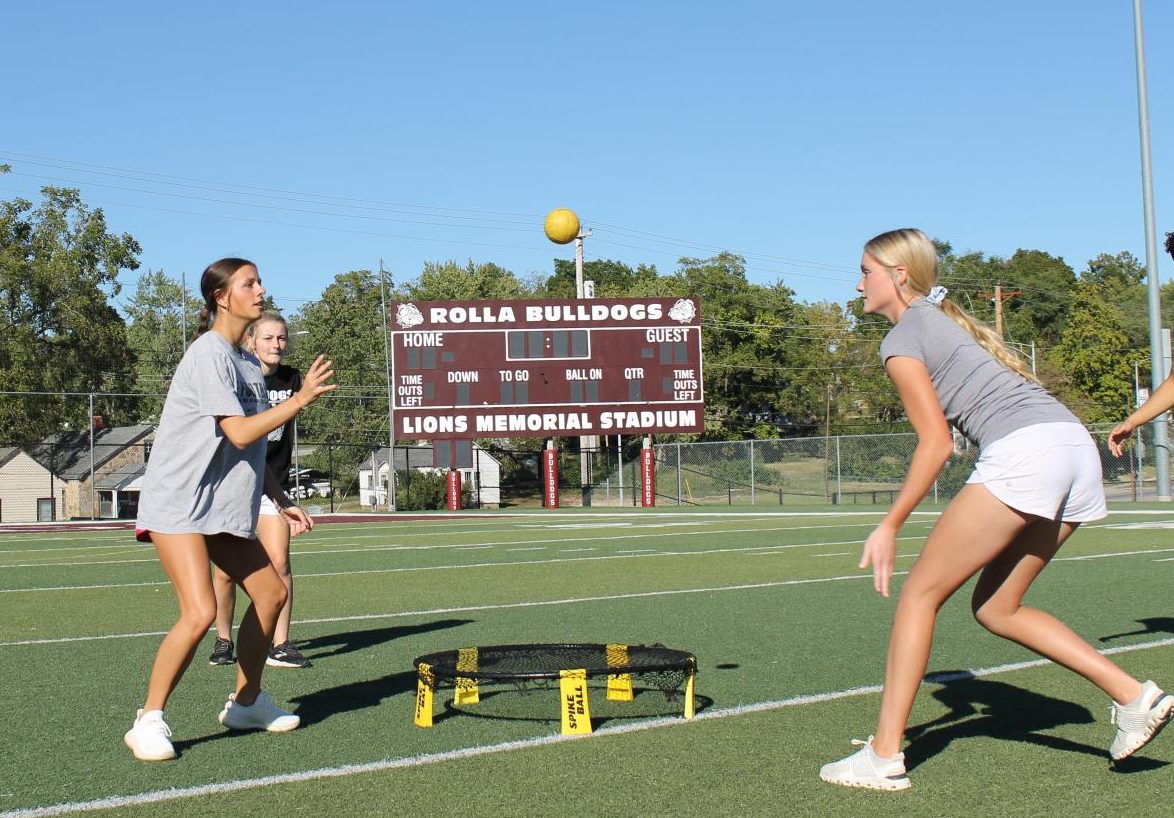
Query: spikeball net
column 465, row 670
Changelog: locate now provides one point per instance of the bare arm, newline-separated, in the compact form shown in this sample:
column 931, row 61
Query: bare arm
column 299, row 521
column 934, row 446
column 1160, row 401
column 244, row 431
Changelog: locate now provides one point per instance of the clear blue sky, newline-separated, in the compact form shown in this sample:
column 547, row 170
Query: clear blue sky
column 318, row 138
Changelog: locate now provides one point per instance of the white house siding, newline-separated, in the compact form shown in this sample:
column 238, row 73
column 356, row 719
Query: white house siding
column 23, row 481
column 484, row 465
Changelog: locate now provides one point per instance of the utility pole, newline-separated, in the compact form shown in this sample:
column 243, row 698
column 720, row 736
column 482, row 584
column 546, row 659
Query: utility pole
column 999, row 296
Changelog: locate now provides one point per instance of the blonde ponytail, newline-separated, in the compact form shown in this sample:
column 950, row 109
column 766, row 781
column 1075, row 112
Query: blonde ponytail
column 988, row 339
column 915, row 251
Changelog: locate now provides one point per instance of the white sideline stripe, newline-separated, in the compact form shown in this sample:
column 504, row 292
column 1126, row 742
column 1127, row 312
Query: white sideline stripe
column 773, row 549
column 471, row 608
column 762, row 550
column 327, row 549
column 1114, row 554
column 403, row 762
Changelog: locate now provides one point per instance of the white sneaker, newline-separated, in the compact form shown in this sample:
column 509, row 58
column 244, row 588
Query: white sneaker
column 262, row 714
column 150, row 737
column 866, row 769
column 1140, row 720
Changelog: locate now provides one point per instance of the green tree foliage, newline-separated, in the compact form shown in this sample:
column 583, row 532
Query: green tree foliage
column 866, row 397
column 1095, row 358
column 158, row 334
column 613, row 279
column 346, row 325
column 744, row 332
column 1040, row 312
column 59, row 268
column 450, row 281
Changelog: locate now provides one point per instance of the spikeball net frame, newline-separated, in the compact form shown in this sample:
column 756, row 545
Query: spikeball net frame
column 464, row 669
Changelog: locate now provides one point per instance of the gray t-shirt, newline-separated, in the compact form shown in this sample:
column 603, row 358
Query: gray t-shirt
column 980, row 396
column 196, row 480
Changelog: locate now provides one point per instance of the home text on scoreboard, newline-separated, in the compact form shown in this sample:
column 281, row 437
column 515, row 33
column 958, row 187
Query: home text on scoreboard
column 546, row 367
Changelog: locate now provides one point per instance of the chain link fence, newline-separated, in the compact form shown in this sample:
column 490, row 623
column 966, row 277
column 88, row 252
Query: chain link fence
column 847, row 470
column 95, row 468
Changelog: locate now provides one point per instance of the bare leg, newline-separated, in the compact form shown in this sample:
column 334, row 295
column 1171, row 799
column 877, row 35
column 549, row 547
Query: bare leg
column 248, row 564
column 184, row 558
column 225, row 590
column 956, row 549
column 997, row 605
column 273, row 531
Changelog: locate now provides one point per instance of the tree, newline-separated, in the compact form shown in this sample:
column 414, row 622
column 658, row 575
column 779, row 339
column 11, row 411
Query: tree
column 1040, row 312
column 613, row 279
column 473, row 282
column 59, row 268
column 346, row 325
column 1121, row 278
column 158, row 333
column 744, row 330
column 1095, row 358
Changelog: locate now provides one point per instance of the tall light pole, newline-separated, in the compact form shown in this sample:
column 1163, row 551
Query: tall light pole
column 391, row 503
column 1157, row 362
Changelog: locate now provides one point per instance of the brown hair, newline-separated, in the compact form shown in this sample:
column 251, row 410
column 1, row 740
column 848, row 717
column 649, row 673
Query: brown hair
column 216, row 278
column 915, row 251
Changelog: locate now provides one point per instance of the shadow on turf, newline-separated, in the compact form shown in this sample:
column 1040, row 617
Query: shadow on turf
column 648, row 704
column 980, row 708
column 1150, row 626
column 322, row 704
column 336, row 644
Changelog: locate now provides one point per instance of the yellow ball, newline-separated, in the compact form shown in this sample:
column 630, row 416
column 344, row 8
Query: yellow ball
column 561, row 226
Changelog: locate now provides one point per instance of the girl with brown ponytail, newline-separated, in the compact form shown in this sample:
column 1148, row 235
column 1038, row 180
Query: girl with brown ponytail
column 200, row 499
column 1037, row 478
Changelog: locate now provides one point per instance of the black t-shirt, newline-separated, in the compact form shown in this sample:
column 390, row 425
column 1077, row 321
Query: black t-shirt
column 281, row 385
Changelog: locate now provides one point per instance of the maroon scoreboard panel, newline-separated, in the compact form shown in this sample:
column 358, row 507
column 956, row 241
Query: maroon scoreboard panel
column 546, row 367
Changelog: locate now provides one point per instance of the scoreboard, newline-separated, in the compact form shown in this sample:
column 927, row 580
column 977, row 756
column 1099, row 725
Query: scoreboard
column 546, row 367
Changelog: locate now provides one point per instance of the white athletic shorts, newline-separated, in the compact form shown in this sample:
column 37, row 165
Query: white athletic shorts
column 1050, row 470
column 268, row 507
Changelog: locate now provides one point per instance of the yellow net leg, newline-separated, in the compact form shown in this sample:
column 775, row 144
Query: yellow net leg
column 425, row 687
column 467, row 691
column 690, row 691
column 619, row 685
column 576, row 710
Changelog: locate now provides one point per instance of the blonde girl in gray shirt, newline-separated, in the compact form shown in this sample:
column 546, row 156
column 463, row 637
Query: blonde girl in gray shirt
column 1038, row 477
column 200, row 498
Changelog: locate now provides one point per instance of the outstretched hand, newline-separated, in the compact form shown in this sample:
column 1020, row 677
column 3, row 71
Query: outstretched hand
column 1117, row 438
column 880, row 550
column 314, row 382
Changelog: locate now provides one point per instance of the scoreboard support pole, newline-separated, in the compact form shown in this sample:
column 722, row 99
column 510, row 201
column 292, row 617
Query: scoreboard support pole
column 550, row 474
column 587, row 443
column 454, row 490
column 647, row 474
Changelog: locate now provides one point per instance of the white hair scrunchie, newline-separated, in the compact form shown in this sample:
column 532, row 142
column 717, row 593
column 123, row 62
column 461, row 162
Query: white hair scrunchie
column 936, row 296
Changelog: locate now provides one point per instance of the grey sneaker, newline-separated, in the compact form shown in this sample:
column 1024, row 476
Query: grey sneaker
column 1140, row 720
column 262, row 714
column 150, row 737
column 222, row 653
column 866, row 769
column 286, row 655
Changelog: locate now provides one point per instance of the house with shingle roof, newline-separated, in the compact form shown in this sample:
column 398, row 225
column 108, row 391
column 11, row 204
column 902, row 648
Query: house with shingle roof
column 75, row 475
